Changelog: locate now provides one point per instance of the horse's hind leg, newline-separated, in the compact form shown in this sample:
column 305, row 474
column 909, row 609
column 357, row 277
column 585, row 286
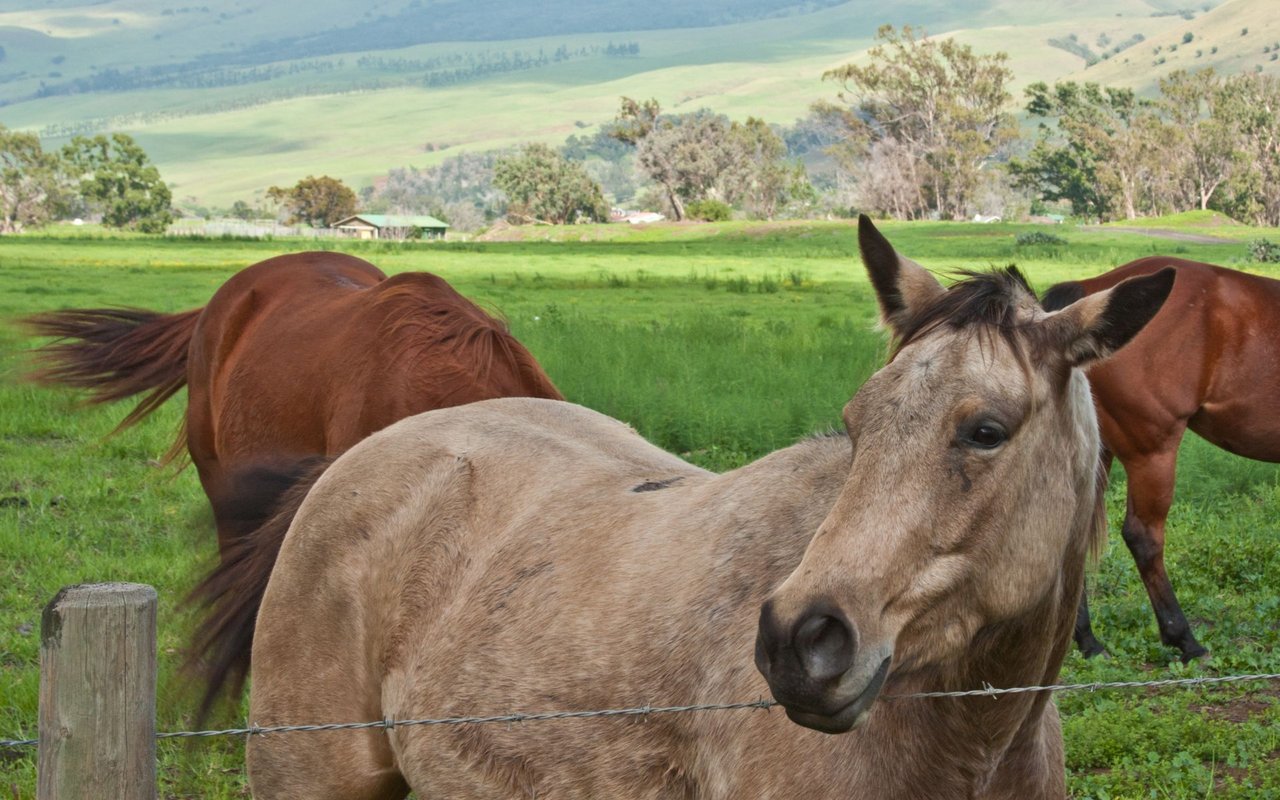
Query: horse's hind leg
column 322, row 765
column 1151, row 481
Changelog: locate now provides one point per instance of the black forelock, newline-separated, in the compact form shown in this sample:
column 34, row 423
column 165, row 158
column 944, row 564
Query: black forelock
column 989, row 300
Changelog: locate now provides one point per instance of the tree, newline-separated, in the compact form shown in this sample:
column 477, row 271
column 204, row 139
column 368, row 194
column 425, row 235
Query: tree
column 442, row 190
column 760, row 178
column 242, row 210
column 703, row 156
column 1251, row 104
column 1103, row 152
column 937, row 103
column 1208, row 142
column 319, row 202
column 118, row 179
column 31, row 189
column 544, row 186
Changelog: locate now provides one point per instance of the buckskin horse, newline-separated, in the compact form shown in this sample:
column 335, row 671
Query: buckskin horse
column 523, row 555
column 293, row 360
column 1206, row 362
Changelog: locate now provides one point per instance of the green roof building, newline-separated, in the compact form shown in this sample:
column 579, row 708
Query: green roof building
column 392, row 226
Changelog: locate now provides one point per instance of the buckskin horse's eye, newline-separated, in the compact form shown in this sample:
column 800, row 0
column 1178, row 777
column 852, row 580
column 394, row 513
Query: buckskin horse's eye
column 986, row 436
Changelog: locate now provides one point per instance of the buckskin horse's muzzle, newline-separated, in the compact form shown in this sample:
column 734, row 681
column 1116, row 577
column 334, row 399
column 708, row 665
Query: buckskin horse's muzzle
column 814, row 667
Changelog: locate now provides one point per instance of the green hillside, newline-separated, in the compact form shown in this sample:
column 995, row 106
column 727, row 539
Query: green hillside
column 222, row 123
column 1237, row 36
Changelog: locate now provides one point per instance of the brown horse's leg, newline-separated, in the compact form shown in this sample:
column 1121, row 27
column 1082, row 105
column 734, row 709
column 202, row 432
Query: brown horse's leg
column 1150, row 495
column 1085, row 640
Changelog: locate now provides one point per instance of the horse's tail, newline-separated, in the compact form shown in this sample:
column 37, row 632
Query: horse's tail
column 115, row 353
column 231, row 594
column 1061, row 295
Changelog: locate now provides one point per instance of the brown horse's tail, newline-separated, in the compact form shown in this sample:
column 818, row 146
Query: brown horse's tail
column 231, row 594
column 115, row 353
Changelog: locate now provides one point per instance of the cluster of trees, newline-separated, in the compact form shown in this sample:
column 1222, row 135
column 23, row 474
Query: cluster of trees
column 318, row 202
column 442, row 70
column 544, row 186
column 110, row 176
column 703, row 156
column 182, row 76
column 485, row 64
column 472, row 60
column 1207, row 141
column 459, row 190
column 919, row 123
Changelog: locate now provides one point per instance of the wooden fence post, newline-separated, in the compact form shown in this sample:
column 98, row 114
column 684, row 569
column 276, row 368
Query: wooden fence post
column 98, row 693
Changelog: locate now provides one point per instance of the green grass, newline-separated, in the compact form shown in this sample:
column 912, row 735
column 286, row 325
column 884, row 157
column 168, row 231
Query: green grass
column 720, row 342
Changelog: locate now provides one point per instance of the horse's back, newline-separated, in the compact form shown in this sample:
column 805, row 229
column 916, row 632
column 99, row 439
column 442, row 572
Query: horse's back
column 302, row 285
column 423, row 548
column 517, row 447
column 1205, row 361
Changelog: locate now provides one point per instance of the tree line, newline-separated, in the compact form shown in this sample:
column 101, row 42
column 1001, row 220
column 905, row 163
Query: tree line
column 1208, row 141
column 110, row 176
column 922, row 129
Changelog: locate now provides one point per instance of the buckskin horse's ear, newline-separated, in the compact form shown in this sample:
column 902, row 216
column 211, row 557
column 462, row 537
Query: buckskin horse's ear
column 1096, row 326
column 901, row 284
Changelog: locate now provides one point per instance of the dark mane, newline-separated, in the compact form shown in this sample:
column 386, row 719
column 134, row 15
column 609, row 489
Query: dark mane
column 987, row 300
column 426, row 317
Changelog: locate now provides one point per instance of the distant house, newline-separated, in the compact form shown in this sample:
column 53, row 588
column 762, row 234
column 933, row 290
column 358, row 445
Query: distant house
column 391, row 226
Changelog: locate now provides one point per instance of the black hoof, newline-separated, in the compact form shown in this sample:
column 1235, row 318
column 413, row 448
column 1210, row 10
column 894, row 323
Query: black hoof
column 1197, row 652
column 1092, row 647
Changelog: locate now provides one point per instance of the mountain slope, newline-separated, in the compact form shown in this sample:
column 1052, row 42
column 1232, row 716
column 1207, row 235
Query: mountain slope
column 223, row 126
column 1237, row 36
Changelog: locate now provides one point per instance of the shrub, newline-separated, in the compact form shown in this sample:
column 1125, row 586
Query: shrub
column 709, row 210
column 1264, row 251
column 1040, row 237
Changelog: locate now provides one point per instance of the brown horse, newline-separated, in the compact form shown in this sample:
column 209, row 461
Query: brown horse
column 1206, row 362
column 294, row 360
column 295, row 357
column 531, row 555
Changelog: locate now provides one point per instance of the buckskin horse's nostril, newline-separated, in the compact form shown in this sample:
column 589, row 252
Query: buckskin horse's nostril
column 766, row 638
column 824, row 645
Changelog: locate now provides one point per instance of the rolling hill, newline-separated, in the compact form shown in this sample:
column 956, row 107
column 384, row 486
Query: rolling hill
column 231, row 97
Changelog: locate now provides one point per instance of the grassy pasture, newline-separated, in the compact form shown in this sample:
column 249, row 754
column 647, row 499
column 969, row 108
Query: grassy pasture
column 721, row 342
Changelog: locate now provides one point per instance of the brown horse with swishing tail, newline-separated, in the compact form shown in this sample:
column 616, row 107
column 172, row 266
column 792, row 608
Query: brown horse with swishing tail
column 294, row 360
column 1209, row 362
column 529, row 555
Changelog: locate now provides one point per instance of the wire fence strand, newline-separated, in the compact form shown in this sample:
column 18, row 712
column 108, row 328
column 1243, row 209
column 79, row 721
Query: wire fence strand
column 645, row 711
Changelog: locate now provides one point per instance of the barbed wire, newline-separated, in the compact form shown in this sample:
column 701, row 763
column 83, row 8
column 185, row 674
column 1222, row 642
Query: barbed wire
column 643, row 711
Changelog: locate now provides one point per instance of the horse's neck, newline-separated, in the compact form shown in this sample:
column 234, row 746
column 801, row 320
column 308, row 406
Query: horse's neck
column 780, row 501
column 977, row 743
column 986, row 741
column 974, row 743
